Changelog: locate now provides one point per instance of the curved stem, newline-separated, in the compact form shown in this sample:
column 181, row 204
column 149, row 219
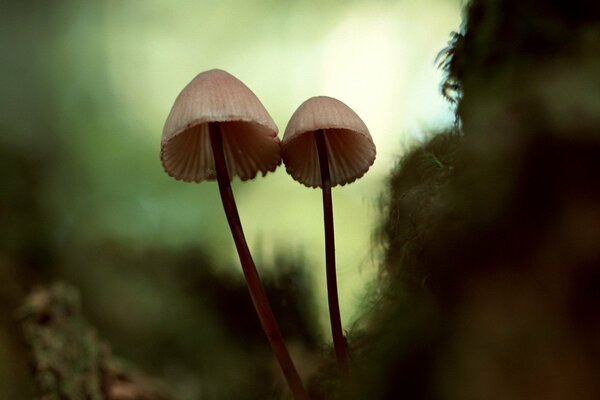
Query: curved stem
column 257, row 292
column 339, row 343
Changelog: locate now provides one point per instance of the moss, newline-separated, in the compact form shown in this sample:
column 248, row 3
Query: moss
column 69, row 361
column 416, row 192
column 490, row 229
column 67, row 356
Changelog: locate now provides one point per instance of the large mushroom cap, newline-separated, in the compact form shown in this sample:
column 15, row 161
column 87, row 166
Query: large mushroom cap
column 250, row 141
column 350, row 148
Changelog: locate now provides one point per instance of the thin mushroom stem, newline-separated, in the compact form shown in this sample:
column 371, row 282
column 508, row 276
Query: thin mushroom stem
column 339, row 343
column 257, row 292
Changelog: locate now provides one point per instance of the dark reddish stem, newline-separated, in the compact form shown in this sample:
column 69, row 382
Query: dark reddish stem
column 257, row 292
column 339, row 343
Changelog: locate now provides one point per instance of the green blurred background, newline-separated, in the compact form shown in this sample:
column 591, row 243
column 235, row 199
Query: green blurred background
column 86, row 87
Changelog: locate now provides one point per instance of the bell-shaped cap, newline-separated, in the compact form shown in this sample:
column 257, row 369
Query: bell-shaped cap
column 250, row 141
column 350, row 148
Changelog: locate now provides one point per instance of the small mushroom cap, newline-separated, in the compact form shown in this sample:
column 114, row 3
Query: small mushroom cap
column 250, row 141
column 350, row 148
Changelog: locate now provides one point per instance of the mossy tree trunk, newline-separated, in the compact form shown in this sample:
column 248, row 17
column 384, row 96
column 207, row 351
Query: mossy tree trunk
column 69, row 361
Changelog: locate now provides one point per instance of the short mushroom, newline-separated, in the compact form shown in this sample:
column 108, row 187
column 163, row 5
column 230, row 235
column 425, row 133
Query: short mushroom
column 327, row 144
column 218, row 129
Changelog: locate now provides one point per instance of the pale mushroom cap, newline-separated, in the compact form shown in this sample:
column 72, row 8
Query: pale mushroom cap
column 350, row 148
column 250, row 141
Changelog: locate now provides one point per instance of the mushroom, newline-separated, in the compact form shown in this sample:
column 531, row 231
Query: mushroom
column 327, row 144
column 218, row 129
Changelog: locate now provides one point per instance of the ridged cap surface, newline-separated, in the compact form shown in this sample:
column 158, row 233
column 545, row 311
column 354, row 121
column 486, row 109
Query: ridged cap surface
column 250, row 141
column 350, row 148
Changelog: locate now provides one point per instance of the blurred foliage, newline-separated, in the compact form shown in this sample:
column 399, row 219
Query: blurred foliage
column 504, row 44
column 71, row 193
column 169, row 309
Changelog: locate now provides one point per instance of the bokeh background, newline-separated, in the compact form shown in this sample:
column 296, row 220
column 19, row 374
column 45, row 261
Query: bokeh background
column 86, row 87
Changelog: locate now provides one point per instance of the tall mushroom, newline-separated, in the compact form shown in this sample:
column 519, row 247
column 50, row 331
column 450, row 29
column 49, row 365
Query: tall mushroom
column 327, row 144
column 218, row 129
